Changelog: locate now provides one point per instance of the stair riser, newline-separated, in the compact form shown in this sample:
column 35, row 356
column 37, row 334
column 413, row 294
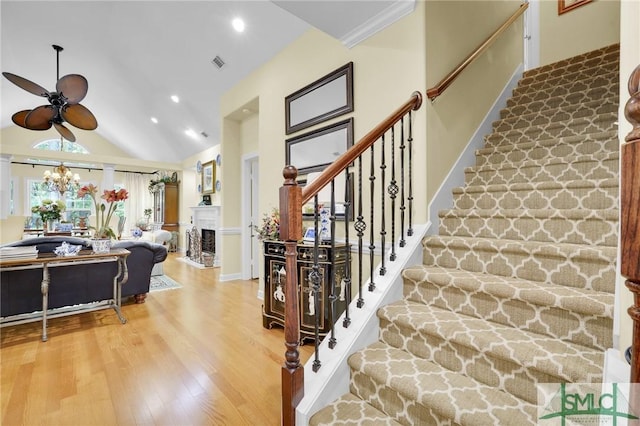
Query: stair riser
column 546, row 80
column 554, row 172
column 595, row 232
column 533, row 102
column 571, row 83
column 592, row 331
column 592, row 59
column 498, row 373
column 573, row 112
column 588, row 269
column 554, row 149
column 599, row 198
column 602, row 123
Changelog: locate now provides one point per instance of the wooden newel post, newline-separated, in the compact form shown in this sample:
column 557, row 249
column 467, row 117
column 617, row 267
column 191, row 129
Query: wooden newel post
column 630, row 226
column 291, row 233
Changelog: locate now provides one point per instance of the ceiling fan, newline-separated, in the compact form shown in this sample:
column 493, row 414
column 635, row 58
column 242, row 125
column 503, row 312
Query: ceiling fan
column 64, row 104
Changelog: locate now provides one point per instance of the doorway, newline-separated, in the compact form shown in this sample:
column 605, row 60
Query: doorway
column 250, row 216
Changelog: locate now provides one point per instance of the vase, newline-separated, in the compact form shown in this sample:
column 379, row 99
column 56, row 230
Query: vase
column 101, row 245
column 50, row 225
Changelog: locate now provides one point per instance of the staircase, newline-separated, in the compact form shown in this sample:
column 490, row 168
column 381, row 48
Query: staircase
column 518, row 287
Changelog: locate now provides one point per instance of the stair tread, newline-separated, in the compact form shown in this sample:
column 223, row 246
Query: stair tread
column 569, row 214
column 528, row 186
column 572, row 78
column 568, row 98
column 350, row 410
column 607, row 118
column 574, row 299
column 449, row 394
column 531, row 116
column 530, row 350
column 599, row 136
column 574, row 74
column 548, row 161
column 532, row 247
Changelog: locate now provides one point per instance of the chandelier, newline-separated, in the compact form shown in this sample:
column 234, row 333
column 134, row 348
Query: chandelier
column 61, row 179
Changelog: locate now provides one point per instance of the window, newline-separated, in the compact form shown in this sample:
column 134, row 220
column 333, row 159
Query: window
column 76, row 208
column 54, row 145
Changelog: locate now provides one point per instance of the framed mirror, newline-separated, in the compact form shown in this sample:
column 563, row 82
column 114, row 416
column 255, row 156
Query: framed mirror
column 325, row 98
column 315, row 150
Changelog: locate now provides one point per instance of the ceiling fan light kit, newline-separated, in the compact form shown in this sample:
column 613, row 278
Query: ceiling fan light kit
column 64, row 103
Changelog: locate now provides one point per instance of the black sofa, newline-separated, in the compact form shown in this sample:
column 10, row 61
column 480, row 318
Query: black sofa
column 20, row 289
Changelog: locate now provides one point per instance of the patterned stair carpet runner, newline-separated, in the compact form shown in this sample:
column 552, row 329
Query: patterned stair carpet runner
column 518, row 287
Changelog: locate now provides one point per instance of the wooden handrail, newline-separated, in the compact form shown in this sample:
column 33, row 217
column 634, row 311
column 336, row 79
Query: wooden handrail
column 437, row 90
column 333, row 170
column 630, row 227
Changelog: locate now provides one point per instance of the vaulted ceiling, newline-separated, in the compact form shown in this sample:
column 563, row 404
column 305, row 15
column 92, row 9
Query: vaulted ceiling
column 137, row 54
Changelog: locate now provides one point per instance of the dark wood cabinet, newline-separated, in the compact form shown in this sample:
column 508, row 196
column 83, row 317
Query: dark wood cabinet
column 166, row 206
column 274, row 282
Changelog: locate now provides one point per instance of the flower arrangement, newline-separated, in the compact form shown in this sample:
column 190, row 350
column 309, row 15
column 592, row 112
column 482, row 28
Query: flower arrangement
column 102, row 229
column 50, row 210
column 270, row 228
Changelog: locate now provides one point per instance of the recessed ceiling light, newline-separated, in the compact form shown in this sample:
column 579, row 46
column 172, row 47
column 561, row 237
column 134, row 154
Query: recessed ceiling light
column 175, row 98
column 238, row 25
column 154, row 120
column 191, row 134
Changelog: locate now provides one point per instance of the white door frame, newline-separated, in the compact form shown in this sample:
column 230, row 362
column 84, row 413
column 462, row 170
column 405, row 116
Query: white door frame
column 247, row 235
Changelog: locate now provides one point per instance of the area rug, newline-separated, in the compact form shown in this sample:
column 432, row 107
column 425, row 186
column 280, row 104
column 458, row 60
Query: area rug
column 162, row 282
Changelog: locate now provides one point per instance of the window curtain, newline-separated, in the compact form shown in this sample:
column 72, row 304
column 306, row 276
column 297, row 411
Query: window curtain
column 139, row 198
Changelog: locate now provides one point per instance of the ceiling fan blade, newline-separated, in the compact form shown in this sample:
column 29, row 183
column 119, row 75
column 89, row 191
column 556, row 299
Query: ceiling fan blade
column 40, row 118
column 73, row 87
column 19, row 117
column 64, row 132
column 79, row 116
column 27, row 85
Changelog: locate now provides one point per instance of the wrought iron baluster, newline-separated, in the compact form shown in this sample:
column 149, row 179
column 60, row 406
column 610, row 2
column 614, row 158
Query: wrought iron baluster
column 410, row 198
column 347, row 267
column 402, row 206
column 383, row 231
column 372, row 246
column 332, row 279
column 393, row 192
column 314, row 279
column 360, row 226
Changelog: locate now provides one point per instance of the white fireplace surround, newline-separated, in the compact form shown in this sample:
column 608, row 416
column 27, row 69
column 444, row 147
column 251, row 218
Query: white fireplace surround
column 208, row 217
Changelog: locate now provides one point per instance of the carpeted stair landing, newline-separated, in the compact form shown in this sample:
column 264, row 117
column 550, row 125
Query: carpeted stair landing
column 518, row 287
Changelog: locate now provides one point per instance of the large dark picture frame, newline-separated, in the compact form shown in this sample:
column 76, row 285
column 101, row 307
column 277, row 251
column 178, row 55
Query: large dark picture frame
column 313, row 151
column 329, row 96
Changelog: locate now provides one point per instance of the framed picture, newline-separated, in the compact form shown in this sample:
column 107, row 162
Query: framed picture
column 328, row 97
column 565, row 6
column 208, row 177
column 315, row 150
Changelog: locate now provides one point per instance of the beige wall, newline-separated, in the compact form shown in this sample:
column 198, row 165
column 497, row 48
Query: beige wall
column 588, row 27
column 455, row 115
column 388, row 67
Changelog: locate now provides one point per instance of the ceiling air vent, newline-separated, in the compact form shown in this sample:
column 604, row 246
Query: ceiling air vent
column 218, row 62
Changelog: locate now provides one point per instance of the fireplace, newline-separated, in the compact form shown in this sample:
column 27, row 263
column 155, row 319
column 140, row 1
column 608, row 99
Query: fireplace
column 208, row 241
column 206, row 222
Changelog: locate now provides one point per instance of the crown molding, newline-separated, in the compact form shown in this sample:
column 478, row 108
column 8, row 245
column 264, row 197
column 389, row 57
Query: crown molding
column 388, row 16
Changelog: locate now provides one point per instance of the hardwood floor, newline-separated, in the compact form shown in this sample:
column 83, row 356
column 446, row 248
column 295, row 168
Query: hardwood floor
column 197, row 355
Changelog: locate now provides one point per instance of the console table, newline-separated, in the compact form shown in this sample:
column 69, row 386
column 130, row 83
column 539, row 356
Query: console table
column 44, row 260
column 274, row 280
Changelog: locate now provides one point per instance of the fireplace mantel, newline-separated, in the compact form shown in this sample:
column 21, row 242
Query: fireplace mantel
column 208, row 217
